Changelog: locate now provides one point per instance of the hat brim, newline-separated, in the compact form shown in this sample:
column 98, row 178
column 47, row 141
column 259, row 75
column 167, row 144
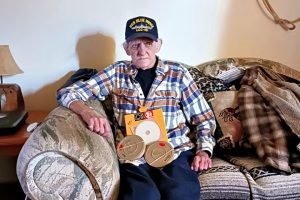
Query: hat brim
column 141, row 35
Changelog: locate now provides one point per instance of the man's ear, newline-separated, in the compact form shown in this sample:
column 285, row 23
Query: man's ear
column 125, row 46
column 158, row 45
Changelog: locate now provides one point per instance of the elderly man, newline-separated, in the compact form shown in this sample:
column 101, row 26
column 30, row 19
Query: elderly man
column 148, row 81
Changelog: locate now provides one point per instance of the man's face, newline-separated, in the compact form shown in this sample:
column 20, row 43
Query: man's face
column 142, row 52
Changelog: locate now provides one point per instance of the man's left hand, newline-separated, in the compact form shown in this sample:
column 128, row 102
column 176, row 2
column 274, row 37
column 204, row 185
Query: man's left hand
column 201, row 161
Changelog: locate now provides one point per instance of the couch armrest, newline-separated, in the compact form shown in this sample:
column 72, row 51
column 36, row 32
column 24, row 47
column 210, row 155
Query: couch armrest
column 62, row 159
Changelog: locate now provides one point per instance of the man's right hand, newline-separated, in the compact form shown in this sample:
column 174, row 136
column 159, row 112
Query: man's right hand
column 94, row 121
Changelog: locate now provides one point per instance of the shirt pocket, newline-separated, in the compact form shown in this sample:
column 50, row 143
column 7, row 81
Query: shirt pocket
column 169, row 101
column 124, row 96
column 165, row 98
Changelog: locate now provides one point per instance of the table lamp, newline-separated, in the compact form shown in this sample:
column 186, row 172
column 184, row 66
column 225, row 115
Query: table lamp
column 12, row 109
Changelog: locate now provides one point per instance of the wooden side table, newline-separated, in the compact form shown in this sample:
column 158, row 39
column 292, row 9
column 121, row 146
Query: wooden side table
column 11, row 144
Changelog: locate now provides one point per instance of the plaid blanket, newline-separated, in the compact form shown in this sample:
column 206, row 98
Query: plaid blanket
column 270, row 113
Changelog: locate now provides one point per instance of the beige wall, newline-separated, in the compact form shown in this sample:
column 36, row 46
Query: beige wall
column 51, row 38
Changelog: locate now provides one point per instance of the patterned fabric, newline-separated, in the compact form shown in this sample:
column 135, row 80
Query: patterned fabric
column 263, row 126
column 173, row 90
column 223, row 181
column 211, row 68
column 226, row 110
column 227, row 70
column 265, row 182
column 206, row 84
column 62, row 159
column 284, row 97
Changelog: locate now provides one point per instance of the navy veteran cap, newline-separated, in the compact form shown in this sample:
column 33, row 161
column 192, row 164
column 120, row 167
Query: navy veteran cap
column 141, row 27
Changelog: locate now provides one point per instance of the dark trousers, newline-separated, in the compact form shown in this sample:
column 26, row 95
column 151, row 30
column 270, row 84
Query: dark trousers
column 174, row 181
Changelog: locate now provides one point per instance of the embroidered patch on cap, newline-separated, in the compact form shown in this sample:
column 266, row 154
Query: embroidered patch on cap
column 141, row 27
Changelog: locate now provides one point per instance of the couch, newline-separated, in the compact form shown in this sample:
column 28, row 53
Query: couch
column 62, row 159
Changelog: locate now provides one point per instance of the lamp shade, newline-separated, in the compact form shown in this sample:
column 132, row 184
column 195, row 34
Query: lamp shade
column 8, row 66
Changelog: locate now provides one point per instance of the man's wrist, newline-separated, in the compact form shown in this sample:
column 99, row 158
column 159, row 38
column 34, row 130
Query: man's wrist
column 203, row 153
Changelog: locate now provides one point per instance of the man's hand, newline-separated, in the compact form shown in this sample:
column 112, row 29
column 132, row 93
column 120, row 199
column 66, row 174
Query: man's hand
column 201, row 161
column 94, row 121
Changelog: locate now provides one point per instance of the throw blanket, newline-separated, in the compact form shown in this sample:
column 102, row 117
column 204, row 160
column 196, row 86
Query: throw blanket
column 270, row 115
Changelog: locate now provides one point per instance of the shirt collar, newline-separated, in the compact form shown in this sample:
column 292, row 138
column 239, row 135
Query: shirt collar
column 161, row 67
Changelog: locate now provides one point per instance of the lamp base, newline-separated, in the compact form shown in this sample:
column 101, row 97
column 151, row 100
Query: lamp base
column 12, row 110
column 2, row 115
column 12, row 121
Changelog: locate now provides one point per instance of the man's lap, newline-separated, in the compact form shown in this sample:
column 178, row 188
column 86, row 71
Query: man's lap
column 174, row 181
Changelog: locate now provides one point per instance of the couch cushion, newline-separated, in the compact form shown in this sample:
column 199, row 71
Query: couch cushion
column 265, row 182
column 226, row 110
column 223, row 181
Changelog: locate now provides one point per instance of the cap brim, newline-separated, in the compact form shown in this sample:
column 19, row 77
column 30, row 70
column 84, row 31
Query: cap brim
column 141, row 35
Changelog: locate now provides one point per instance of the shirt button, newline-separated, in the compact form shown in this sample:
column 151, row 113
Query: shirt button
column 141, row 94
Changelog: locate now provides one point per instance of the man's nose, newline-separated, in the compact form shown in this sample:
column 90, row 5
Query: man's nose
column 142, row 48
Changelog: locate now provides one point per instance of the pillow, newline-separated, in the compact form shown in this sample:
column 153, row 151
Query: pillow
column 226, row 110
column 225, row 69
column 206, row 84
column 230, row 75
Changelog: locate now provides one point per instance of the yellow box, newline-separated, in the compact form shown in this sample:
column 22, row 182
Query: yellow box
column 150, row 125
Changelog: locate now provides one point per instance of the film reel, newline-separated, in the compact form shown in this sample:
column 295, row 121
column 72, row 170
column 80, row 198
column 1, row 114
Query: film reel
column 159, row 154
column 131, row 148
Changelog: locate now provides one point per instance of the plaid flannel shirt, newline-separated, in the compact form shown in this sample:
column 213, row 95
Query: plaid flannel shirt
column 173, row 90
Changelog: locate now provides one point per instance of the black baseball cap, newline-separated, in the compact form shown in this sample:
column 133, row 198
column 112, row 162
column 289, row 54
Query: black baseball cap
column 141, row 27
